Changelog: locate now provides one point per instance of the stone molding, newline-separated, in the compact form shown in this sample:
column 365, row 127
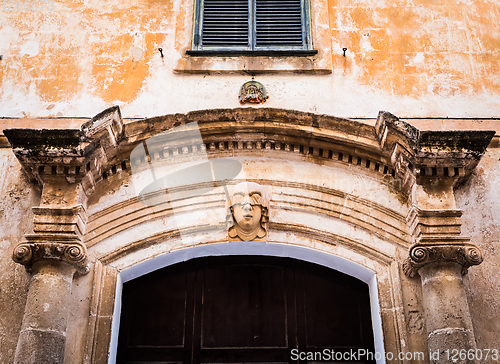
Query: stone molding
column 62, row 247
column 296, row 196
column 60, row 220
column 424, row 253
column 437, row 236
column 434, row 223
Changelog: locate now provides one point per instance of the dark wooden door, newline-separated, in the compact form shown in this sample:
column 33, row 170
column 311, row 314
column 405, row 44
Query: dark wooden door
column 248, row 309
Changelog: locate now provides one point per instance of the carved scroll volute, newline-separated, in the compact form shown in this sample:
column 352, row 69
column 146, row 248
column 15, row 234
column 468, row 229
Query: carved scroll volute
column 74, row 253
column 23, row 254
column 420, row 255
column 248, row 212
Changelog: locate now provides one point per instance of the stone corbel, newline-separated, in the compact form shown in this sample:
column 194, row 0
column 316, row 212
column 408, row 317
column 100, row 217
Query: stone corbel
column 430, row 156
column 77, row 156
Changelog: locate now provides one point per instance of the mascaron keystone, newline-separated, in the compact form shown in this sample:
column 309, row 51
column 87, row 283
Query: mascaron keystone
column 248, row 212
column 420, row 255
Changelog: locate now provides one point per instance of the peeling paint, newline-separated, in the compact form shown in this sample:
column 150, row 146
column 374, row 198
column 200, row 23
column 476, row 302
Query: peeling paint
column 416, row 58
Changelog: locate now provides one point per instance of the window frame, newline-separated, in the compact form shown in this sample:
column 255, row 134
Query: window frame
column 197, row 48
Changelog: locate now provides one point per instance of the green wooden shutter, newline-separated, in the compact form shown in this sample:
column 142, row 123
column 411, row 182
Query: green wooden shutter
column 225, row 23
column 279, row 24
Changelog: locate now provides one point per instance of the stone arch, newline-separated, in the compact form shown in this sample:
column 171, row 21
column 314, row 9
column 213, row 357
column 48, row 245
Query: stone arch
column 91, row 217
column 382, row 279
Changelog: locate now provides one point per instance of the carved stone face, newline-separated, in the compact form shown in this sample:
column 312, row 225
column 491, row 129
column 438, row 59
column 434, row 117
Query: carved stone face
column 248, row 204
column 246, row 213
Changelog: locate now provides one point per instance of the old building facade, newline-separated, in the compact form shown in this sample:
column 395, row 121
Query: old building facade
column 170, row 198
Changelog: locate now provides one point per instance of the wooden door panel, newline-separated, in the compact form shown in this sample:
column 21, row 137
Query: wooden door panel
column 163, row 317
column 244, row 306
column 333, row 314
column 157, row 317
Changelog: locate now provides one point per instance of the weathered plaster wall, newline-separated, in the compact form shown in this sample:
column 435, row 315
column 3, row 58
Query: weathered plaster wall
column 414, row 58
column 16, row 199
column 479, row 199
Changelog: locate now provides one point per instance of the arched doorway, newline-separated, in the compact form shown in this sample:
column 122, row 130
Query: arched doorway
column 238, row 309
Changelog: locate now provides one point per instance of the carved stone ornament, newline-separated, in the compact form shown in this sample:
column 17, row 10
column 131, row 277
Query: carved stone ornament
column 429, row 156
column 248, row 212
column 254, row 92
column 73, row 253
column 466, row 255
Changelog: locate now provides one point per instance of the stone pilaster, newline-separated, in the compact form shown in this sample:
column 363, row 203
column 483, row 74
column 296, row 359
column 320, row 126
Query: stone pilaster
column 43, row 332
column 52, row 254
column 448, row 321
column 441, row 257
column 430, row 164
column 66, row 163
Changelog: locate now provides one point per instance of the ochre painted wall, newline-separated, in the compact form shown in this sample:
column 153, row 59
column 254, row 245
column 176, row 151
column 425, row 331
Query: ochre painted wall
column 412, row 57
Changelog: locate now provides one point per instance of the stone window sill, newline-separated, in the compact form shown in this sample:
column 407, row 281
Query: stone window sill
column 259, row 53
column 299, row 61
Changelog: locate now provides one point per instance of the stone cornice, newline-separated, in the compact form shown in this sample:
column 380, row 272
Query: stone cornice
column 428, row 223
column 393, row 148
column 68, row 153
column 431, row 156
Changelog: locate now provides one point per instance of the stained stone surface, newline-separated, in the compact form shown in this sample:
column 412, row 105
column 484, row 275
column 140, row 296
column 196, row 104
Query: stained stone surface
column 335, row 186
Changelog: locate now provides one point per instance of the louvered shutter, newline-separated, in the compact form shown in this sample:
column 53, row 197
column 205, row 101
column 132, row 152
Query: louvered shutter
column 252, row 27
column 225, row 23
column 278, row 23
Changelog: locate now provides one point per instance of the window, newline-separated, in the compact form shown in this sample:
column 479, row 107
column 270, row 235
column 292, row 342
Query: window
column 252, row 27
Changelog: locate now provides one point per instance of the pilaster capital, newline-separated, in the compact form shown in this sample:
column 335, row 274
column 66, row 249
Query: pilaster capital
column 57, row 236
column 63, row 247
column 430, row 251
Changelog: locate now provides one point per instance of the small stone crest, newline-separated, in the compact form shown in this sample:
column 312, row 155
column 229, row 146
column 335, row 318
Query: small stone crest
column 253, row 92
